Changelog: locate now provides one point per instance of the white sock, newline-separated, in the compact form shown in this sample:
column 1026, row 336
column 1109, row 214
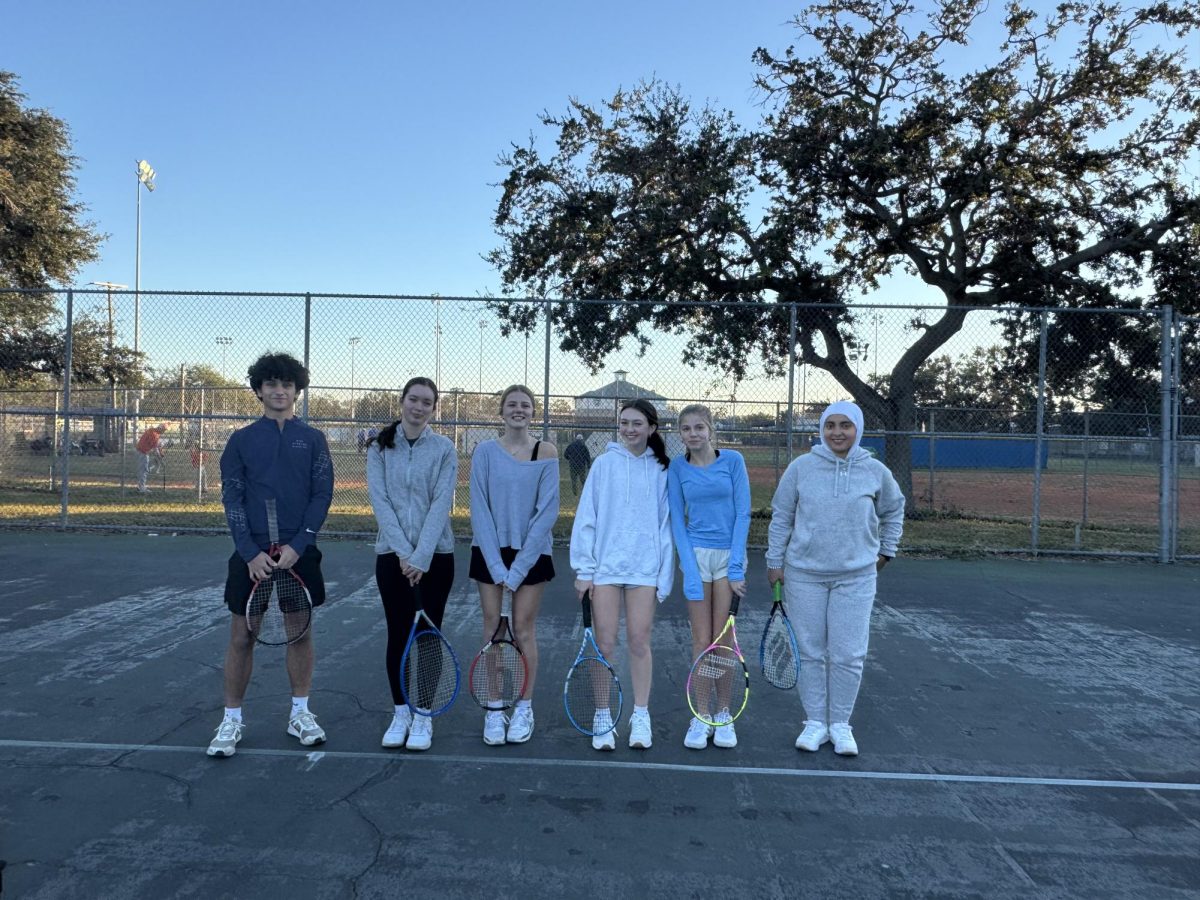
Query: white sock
column 527, row 704
column 645, row 710
column 401, row 708
column 299, row 705
column 233, row 712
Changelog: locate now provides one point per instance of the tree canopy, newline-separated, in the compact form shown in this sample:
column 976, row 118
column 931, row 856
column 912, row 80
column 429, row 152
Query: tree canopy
column 1053, row 173
column 44, row 238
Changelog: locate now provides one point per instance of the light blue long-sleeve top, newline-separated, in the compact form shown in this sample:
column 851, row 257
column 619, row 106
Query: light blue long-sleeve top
column 710, row 507
column 513, row 504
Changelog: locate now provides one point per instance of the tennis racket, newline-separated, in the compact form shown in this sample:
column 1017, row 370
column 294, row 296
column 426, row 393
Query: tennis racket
column 499, row 671
column 778, row 653
column 429, row 673
column 279, row 610
column 592, row 691
column 715, row 692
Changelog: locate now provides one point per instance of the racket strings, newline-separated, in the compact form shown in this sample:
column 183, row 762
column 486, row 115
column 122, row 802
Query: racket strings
column 430, row 672
column 717, row 684
column 279, row 610
column 778, row 655
column 593, row 696
column 498, row 677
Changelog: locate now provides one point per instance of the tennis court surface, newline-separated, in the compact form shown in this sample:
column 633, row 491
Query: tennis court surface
column 1028, row 729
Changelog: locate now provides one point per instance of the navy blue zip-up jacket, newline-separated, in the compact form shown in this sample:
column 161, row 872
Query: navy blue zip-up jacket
column 291, row 465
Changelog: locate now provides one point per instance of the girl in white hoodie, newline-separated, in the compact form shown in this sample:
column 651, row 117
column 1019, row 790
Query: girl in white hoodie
column 621, row 547
column 836, row 521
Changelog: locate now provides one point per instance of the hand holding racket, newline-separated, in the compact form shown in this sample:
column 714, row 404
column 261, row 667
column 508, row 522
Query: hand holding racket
column 592, row 691
column 715, row 692
column 429, row 673
column 778, row 653
column 279, row 610
column 499, row 671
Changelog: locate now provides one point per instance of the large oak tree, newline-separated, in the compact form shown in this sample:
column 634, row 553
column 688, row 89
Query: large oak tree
column 1049, row 174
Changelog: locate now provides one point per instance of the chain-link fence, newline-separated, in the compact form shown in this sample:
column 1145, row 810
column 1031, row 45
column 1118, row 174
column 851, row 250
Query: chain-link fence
column 1028, row 430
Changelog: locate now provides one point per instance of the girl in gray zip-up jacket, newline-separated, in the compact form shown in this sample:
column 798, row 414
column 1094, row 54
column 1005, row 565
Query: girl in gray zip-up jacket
column 836, row 520
column 411, row 475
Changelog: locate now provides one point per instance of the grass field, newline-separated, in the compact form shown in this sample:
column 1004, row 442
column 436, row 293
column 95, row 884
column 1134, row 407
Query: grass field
column 968, row 510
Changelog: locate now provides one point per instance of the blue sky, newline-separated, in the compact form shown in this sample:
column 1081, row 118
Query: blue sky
column 305, row 147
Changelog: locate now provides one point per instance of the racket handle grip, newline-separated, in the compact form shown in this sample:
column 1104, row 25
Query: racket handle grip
column 778, row 590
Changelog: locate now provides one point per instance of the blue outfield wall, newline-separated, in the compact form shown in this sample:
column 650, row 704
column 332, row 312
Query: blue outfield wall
column 968, row 453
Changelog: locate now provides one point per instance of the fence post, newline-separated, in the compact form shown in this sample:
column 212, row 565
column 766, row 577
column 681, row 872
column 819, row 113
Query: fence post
column 307, row 349
column 1087, row 448
column 776, row 442
column 932, row 440
column 68, row 354
column 1037, row 442
column 1176, row 426
column 791, row 409
column 546, row 381
column 1166, row 447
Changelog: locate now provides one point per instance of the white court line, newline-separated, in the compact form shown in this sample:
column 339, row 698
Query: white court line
column 393, row 756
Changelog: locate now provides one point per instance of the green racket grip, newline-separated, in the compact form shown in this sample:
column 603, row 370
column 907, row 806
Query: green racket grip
column 778, row 591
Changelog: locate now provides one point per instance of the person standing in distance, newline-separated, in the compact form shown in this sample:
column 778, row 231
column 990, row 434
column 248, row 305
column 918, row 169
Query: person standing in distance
column 836, row 520
column 579, row 458
column 283, row 459
column 148, row 445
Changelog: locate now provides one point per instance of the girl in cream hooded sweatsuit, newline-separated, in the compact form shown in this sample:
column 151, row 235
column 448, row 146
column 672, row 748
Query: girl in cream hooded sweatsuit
column 832, row 519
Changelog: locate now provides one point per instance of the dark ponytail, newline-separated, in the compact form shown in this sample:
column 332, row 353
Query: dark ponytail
column 387, row 437
column 655, row 443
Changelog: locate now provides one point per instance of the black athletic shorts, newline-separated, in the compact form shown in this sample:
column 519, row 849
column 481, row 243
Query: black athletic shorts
column 541, row 571
column 238, row 584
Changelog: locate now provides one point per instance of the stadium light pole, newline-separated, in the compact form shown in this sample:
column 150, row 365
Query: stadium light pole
column 145, row 176
column 354, row 342
column 109, row 287
column 875, row 344
column 437, row 339
column 223, row 341
column 482, row 325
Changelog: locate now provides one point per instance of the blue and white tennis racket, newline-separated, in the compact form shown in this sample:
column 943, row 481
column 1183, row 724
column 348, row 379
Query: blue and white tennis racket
column 592, row 691
column 429, row 672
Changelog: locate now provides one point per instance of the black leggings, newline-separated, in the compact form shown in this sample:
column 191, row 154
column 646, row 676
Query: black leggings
column 400, row 605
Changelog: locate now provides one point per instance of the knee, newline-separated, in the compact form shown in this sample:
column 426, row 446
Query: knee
column 639, row 645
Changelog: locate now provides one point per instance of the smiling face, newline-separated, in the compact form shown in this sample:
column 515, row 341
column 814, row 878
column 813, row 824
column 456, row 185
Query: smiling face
column 635, row 430
column 418, row 405
column 694, row 432
column 278, row 397
column 839, row 434
column 516, row 410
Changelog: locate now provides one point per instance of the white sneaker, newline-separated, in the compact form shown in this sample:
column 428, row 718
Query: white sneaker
column 813, row 736
column 304, row 726
column 604, row 736
column 697, row 735
column 420, row 736
column 520, row 726
column 494, row 723
column 229, row 732
column 639, row 731
column 723, row 734
column 843, row 739
column 397, row 732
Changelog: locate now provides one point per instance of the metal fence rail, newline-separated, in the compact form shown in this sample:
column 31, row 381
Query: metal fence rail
column 1003, row 457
